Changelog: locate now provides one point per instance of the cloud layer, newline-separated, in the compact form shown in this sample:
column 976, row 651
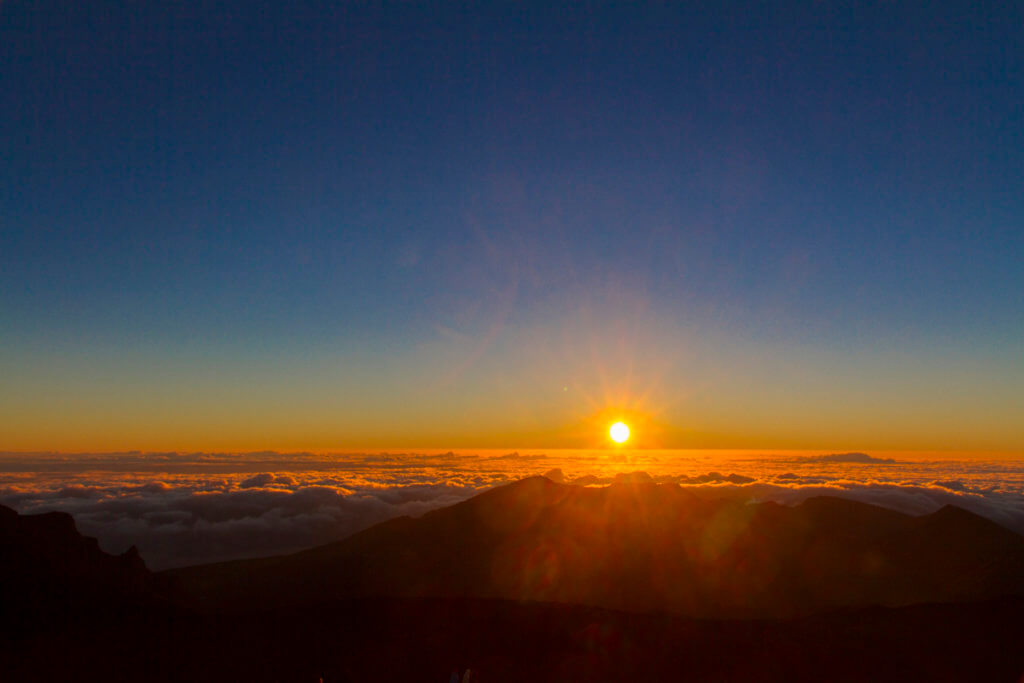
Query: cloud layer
column 188, row 509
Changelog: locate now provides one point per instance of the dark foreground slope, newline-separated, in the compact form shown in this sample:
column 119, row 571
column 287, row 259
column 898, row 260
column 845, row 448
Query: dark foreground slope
column 72, row 612
column 640, row 546
column 386, row 640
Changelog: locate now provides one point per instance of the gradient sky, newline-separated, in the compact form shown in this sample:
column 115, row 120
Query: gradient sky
column 247, row 225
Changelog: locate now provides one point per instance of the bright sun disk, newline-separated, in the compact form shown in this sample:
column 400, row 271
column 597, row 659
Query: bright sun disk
column 619, row 432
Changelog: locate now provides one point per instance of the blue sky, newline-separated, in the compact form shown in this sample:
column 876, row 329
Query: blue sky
column 269, row 188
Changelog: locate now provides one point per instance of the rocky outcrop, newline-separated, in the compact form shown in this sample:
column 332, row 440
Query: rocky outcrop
column 48, row 568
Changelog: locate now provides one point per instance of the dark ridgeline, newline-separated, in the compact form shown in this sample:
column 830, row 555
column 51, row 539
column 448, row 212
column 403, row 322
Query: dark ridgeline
column 543, row 582
column 641, row 546
column 48, row 569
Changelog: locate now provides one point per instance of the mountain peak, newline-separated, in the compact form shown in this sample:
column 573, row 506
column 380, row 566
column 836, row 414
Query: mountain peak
column 950, row 511
column 633, row 478
column 636, row 545
column 43, row 559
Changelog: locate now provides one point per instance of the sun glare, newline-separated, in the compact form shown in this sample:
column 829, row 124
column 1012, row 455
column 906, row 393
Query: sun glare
column 619, row 432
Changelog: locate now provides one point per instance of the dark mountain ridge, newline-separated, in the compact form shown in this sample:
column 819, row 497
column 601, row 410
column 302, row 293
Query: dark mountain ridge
column 416, row 599
column 48, row 567
column 640, row 546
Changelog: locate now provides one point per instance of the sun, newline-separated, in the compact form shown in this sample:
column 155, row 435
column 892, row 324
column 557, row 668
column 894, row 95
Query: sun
column 619, row 432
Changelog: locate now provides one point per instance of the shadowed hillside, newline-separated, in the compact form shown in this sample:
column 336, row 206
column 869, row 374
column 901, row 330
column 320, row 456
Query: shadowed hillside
column 48, row 570
column 641, row 546
column 417, row 641
column 418, row 599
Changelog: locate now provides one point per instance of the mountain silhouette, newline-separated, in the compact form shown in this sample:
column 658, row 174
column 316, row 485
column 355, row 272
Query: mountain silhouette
column 543, row 582
column 48, row 570
column 640, row 546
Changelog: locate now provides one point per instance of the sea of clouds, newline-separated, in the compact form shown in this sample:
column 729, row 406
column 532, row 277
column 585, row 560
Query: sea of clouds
column 185, row 509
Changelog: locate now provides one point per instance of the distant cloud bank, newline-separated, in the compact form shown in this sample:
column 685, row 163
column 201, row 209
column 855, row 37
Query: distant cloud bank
column 194, row 508
column 860, row 458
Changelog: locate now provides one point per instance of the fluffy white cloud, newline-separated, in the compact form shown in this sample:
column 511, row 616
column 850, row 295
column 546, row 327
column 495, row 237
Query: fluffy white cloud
column 192, row 508
column 178, row 525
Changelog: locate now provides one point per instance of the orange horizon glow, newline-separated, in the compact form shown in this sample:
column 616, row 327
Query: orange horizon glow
column 556, row 385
